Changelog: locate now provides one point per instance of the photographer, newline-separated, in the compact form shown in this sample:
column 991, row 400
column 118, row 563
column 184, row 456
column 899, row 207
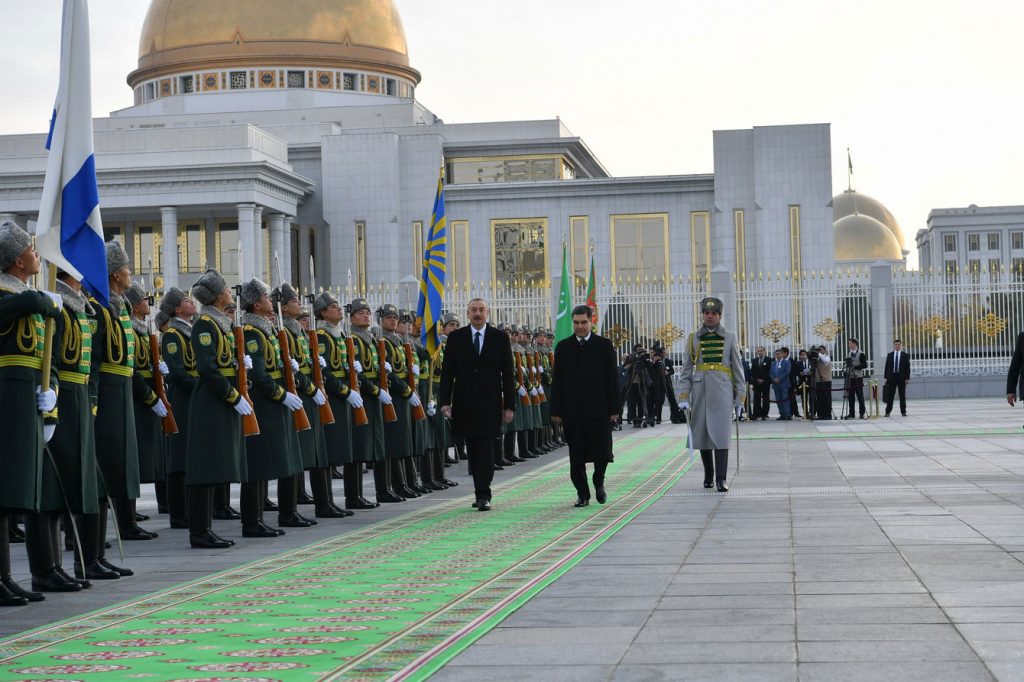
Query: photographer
column 637, row 365
column 822, row 382
column 658, row 372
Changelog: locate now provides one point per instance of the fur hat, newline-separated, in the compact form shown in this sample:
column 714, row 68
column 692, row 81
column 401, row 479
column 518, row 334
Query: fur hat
column 322, row 302
column 448, row 318
column 356, row 305
column 208, row 287
column 171, row 300
column 160, row 319
column 284, row 294
column 405, row 315
column 13, row 242
column 134, row 294
column 251, row 292
column 117, row 257
column 387, row 310
column 711, row 304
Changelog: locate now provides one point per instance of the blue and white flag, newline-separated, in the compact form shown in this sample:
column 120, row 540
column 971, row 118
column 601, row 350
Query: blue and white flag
column 69, row 232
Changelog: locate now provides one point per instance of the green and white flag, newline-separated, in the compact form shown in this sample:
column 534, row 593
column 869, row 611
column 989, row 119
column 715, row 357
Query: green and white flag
column 563, row 318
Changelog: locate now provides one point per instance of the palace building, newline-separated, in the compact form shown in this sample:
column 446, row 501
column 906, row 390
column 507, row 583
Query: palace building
column 260, row 127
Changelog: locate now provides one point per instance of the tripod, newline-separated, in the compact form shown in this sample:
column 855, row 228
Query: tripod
column 639, row 403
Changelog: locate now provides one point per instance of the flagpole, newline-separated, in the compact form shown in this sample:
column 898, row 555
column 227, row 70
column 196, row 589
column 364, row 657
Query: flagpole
column 849, row 171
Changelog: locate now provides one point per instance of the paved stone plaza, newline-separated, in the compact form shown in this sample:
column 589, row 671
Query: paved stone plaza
column 882, row 549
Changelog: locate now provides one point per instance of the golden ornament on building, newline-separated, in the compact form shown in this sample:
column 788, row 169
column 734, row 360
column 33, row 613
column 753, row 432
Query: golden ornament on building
column 668, row 334
column 991, row 325
column 775, row 331
column 828, row 329
column 618, row 335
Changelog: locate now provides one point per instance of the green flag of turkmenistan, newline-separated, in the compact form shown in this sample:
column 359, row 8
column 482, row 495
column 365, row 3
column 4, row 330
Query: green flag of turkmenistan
column 563, row 319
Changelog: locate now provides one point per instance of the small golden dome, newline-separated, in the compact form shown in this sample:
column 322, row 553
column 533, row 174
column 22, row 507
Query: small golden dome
column 195, row 35
column 851, row 202
column 860, row 237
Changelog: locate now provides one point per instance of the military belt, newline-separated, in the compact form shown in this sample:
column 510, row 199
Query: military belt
column 146, row 373
column 227, row 371
column 306, row 370
column 274, row 374
column 21, row 361
column 713, row 367
column 119, row 370
column 338, row 374
column 193, row 373
column 73, row 377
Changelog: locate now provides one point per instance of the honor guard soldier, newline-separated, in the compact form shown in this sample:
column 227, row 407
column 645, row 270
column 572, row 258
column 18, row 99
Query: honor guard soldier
column 215, row 454
column 274, row 453
column 529, row 422
column 368, row 440
column 311, row 441
column 344, row 398
column 539, row 407
column 505, row 452
column 176, row 351
column 441, row 427
column 398, row 441
column 117, row 447
column 29, row 414
column 149, row 411
column 714, row 386
column 73, row 446
column 420, row 428
column 429, row 456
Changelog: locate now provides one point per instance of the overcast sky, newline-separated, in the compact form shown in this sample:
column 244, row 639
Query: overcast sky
column 928, row 95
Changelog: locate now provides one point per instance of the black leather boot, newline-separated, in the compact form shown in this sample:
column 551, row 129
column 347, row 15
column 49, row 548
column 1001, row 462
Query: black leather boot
column 177, row 502
column 382, row 482
column 707, row 458
column 11, row 594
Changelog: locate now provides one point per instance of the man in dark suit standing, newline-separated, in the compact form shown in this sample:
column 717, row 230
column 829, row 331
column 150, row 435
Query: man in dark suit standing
column 478, row 392
column 585, row 397
column 897, row 376
column 1015, row 377
column 761, row 382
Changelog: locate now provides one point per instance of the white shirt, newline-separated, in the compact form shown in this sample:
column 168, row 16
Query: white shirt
column 585, row 338
column 473, row 332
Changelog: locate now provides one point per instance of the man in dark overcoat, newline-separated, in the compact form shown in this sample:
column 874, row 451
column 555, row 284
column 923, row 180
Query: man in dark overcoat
column 478, row 392
column 585, row 397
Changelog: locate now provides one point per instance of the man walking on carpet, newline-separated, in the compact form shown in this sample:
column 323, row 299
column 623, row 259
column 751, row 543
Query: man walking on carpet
column 478, row 392
column 585, row 398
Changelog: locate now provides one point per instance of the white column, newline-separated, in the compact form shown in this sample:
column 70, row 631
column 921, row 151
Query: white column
column 286, row 252
column 247, row 237
column 275, row 223
column 257, row 246
column 169, row 250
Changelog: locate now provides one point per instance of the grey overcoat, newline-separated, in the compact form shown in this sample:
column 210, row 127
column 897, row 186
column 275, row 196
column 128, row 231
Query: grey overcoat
column 712, row 393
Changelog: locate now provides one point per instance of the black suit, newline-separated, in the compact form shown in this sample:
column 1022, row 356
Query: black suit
column 585, row 394
column 1015, row 377
column 896, row 380
column 794, row 384
column 760, row 369
column 478, row 388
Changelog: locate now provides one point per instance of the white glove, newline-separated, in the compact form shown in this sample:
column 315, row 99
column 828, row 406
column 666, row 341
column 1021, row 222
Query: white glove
column 414, row 400
column 385, row 398
column 323, row 362
column 48, row 430
column 358, row 365
column 416, row 370
column 354, row 399
column 533, row 392
column 292, row 402
column 295, row 364
column 522, row 391
column 431, row 408
column 684, row 405
column 56, row 298
column 164, row 369
column 247, row 361
column 243, row 407
column 540, row 389
column 45, row 400
column 387, row 366
column 159, row 409
column 319, row 398
column 535, row 369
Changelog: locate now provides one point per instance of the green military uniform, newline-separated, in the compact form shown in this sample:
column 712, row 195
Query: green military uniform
column 398, row 435
column 176, row 351
column 73, row 445
column 148, row 426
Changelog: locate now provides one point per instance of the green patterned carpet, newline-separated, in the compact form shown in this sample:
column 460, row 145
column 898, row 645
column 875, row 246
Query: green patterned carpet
column 392, row 601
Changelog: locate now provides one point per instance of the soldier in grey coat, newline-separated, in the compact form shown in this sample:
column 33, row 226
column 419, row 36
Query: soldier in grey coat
column 712, row 382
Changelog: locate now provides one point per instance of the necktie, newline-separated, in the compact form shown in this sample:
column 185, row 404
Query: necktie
column 896, row 368
column 476, row 343
column 583, row 342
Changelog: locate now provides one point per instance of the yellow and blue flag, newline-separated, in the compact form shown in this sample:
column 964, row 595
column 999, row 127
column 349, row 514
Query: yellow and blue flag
column 435, row 267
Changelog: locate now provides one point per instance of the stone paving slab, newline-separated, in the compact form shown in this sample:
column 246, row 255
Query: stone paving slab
column 888, row 549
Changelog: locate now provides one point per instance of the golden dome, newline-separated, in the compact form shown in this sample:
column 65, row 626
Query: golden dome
column 194, row 35
column 860, row 237
column 851, row 202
